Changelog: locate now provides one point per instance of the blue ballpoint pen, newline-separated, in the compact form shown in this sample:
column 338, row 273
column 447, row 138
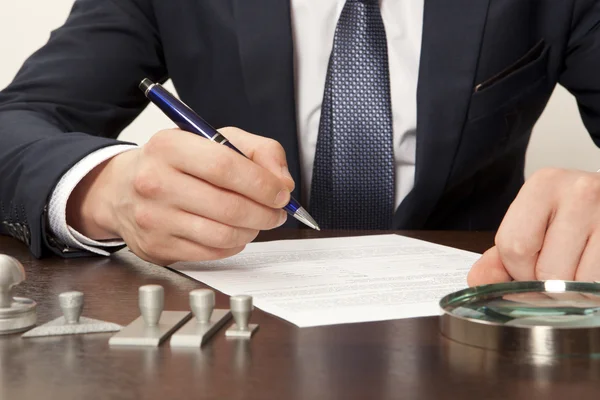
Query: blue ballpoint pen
column 185, row 118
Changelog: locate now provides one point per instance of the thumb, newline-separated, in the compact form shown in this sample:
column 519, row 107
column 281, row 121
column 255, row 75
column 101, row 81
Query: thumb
column 266, row 152
column 488, row 269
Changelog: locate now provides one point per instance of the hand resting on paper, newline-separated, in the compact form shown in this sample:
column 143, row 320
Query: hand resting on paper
column 551, row 231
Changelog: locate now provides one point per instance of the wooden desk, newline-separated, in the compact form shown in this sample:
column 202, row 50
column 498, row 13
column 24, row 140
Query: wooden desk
column 404, row 359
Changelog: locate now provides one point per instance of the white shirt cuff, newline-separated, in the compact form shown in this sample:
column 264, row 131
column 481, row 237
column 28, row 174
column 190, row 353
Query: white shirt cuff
column 57, row 207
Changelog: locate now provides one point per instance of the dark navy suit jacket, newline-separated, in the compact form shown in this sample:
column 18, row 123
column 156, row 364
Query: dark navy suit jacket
column 487, row 70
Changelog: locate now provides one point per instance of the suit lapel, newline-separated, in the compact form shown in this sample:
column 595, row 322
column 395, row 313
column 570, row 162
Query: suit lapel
column 267, row 57
column 266, row 48
column 452, row 35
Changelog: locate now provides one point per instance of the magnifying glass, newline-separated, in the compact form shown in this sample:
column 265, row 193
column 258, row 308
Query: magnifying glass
column 540, row 317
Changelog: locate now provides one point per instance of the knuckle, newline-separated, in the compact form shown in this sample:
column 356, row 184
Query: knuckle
column 586, row 189
column 158, row 143
column 547, row 175
column 233, row 210
column 275, row 147
column 515, row 248
column 144, row 218
column 146, row 183
column 221, row 167
column 224, row 237
column 260, row 182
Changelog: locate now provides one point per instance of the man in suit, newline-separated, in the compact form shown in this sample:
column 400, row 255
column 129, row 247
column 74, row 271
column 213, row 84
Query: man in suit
column 408, row 114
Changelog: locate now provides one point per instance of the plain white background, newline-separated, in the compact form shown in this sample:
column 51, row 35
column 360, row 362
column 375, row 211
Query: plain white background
column 559, row 138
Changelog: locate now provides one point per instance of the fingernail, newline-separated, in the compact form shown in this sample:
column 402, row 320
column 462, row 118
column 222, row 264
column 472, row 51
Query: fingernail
column 282, row 198
column 282, row 218
column 286, row 172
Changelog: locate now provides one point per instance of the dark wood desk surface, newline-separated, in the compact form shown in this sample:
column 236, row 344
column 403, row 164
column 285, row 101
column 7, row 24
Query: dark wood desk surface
column 382, row 360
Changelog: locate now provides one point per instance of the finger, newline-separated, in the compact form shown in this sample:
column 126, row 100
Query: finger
column 564, row 242
column 217, row 165
column 528, row 297
column 179, row 249
column 189, row 251
column 488, row 269
column 208, row 232
column 521, row 234
column 155, row 224
column 589, row 264
column 266, row 152
column 550, row 298
column 198, row 197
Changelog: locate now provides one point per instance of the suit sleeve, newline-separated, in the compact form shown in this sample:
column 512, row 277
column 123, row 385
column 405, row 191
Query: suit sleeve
column 70, row 98
column 580, row 74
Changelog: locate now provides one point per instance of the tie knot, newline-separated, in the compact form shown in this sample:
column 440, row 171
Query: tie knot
column 364, row 1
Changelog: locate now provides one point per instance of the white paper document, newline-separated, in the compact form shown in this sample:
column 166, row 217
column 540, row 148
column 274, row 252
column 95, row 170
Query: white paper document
column 311, row 282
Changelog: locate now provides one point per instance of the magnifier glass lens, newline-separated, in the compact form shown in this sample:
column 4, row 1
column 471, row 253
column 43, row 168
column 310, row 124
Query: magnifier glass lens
column 550, row 303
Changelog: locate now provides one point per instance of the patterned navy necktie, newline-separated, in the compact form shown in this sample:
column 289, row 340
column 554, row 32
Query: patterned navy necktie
column 353, row 175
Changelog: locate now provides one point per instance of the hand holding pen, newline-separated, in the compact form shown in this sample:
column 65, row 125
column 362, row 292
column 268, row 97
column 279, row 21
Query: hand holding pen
column 180, row 197
column 189, row 121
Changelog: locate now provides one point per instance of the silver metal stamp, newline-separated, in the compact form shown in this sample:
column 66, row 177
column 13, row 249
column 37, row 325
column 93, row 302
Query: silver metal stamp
column 154, row 325
column 205, row 323
column 241, row 309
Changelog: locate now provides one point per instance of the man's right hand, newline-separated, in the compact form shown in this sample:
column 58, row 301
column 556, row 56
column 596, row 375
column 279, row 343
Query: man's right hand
column 181, row 197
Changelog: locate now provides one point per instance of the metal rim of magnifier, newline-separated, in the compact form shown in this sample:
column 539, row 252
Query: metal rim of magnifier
column 538, row 340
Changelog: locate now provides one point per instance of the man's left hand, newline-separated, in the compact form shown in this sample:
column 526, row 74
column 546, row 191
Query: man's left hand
column 550, row 231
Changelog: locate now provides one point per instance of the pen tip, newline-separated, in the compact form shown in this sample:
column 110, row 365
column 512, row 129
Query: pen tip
column 303, row 216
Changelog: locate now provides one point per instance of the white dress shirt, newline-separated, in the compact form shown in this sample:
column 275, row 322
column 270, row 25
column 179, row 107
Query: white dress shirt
column 313, row 25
